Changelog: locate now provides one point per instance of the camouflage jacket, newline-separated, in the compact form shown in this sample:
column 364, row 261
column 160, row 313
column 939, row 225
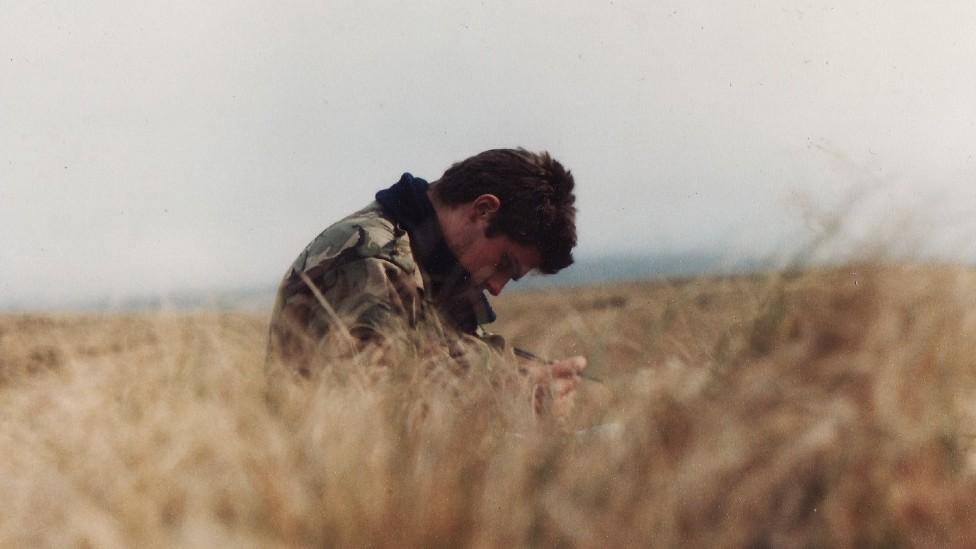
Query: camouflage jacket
column 359, row 283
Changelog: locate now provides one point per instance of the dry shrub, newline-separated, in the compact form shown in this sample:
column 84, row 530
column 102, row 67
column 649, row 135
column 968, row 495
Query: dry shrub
column 828, row 408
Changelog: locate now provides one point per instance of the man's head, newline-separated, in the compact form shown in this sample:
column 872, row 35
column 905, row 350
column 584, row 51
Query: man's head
column 507, row 211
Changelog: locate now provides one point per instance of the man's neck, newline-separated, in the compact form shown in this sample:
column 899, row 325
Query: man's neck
column 448, row 221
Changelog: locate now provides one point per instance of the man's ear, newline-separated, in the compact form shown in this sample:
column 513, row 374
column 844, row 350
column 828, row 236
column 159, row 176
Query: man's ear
column 485, row 206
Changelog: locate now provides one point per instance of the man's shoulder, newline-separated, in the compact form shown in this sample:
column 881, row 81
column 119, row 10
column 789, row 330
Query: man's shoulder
column 367, row 233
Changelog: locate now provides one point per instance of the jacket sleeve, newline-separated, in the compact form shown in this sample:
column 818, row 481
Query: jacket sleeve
column 365, row 305
column 340, row 309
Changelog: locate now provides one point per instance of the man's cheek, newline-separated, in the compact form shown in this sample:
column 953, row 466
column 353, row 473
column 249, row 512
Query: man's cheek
column 482, row 275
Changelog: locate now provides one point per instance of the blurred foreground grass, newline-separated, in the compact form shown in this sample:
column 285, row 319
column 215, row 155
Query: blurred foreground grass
column 830, row 408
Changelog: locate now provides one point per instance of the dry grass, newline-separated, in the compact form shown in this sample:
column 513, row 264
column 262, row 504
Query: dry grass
column 822, row 409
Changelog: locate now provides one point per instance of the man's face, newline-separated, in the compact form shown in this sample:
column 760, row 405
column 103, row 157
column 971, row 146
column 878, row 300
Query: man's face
column 494, row 261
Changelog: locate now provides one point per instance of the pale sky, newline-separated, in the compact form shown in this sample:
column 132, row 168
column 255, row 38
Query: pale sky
column 148, row 147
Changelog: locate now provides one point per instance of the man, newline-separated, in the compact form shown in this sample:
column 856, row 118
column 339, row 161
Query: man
column 420, row 258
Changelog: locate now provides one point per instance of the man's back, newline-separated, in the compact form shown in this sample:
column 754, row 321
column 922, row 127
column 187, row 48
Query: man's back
column 346, row 288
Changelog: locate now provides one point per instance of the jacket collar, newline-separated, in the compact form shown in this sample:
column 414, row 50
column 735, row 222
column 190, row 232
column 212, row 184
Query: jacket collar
column 407, row 203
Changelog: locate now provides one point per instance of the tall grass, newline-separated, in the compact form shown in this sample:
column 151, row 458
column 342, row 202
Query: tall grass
column 827, row 408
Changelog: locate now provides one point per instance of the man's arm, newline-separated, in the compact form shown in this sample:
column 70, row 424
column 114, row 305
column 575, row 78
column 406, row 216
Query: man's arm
column 344, row 310
column 340, row 309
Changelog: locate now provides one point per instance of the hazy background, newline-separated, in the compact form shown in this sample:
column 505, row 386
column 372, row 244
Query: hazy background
column 148, row 148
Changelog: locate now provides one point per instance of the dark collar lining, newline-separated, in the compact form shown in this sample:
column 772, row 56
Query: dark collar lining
column 407, row 203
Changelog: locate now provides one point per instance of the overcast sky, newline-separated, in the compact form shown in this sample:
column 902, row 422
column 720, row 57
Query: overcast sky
column 147, row 147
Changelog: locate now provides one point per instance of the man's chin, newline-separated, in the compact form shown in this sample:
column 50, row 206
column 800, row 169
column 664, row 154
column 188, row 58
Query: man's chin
column 479, row 283
column 479, row 288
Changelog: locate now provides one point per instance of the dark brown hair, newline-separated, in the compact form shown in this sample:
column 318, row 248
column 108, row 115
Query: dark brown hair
column 536, row 193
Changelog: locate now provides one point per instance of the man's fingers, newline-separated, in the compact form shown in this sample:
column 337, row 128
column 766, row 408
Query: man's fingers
column 562, row 369
column 556, row 384
column 568, row 366
column 562, row 387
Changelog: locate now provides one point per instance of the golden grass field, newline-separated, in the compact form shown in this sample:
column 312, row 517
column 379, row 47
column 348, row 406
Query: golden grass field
column 828, row 408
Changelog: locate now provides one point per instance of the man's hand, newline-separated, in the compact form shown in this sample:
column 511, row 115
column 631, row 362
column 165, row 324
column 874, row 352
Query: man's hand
column 558, row 380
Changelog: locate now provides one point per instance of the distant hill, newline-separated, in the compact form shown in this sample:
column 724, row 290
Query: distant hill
column 615, row 268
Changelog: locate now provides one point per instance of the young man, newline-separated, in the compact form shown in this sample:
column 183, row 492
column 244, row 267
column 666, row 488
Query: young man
column 420, row 258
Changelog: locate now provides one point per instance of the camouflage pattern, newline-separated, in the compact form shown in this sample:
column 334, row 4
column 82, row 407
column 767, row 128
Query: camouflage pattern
column 367, row 288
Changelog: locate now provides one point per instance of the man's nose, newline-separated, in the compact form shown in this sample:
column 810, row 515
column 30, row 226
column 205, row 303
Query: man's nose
column 495, row 284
